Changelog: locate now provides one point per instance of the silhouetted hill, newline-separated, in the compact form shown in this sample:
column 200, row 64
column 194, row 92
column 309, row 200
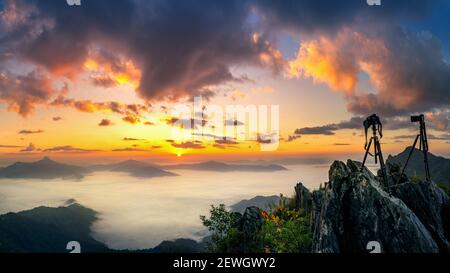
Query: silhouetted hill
column 224, row 167
column 439, row 166
column 179, row 246
column 133, row 168
column 46, row 229
column 42, row 169
column 262, row 202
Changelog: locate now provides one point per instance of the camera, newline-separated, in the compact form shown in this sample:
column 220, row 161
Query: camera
column 419, row 118
column 372, row 120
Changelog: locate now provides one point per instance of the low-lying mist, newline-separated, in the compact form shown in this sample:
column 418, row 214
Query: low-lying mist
column 136, row 213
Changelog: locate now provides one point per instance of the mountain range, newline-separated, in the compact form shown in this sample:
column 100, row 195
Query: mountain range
column 215, row 166
column 262, row 202
column 439, row 166
column 134, row 168
column 43, row 169
column 47, row 168
column 48, row 230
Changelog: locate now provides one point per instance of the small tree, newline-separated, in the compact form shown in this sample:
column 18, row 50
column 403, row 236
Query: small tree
column 221, row 224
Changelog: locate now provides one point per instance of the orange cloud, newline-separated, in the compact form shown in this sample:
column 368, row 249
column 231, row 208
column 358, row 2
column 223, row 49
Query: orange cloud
column 89, row 106
column 108, row 71
column 269, row 55
column 23, row 92
column 406, row 69
column 323, row 60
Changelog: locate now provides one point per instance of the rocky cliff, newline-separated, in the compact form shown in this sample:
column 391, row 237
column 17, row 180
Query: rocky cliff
column 354, row 209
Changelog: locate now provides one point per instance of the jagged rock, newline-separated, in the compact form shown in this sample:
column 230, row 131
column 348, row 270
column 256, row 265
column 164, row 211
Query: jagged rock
column 431, row 205
column 354, row 209
column 303, row 198
column 248, row 226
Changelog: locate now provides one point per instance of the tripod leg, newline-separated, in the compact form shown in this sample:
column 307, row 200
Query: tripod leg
column 365, row 155
column 383, row 167
column 410, row 154
column 425, row 159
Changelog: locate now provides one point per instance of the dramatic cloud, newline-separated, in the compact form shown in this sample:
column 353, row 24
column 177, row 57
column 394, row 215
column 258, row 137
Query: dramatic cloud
column 23, row 92
column 140, row 42
column 312, row 16
column 407, row 70
column 30, row 132
column 109, row 70
column 169, row 49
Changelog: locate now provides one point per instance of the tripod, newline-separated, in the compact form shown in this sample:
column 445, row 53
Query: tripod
column 423, row 145
column 375, row 123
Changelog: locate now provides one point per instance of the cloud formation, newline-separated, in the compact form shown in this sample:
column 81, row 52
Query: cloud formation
column 330, row 129
column 188, row 145
column 66, row 42
column 30, row 148
column 22, row 92
column 69, row 149
column 30, row 132
column 10, row 146
column 105, row 122
column 89, row 106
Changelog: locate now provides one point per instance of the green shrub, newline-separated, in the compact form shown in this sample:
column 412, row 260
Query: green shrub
column 284, row 230
column 445, row 187
column 221, row 225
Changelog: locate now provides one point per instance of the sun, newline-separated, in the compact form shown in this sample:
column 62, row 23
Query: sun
column 179, row 154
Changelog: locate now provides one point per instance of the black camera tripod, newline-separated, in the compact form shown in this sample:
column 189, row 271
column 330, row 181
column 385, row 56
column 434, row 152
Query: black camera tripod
column 374, row 122
column 423, row 145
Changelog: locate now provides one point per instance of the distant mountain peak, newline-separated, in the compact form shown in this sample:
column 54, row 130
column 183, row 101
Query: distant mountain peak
column 47, row 159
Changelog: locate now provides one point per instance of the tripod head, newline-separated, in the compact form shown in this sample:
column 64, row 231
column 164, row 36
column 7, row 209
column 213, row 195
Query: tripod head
column 373, row 122
column 423, row 145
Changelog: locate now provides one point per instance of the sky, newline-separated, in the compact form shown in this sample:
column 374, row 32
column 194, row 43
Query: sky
column 101, row 80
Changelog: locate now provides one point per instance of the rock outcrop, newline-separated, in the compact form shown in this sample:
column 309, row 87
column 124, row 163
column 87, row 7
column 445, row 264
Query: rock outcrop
column 249, row 226
column 303, row 198
column 354, row 209
column 431, row 205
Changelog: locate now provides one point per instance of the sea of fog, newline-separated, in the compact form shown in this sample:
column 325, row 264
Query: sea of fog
column 137, row 213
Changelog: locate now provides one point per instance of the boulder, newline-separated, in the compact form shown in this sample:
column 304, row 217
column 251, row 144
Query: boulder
column 431, row 205
column 354, row 209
